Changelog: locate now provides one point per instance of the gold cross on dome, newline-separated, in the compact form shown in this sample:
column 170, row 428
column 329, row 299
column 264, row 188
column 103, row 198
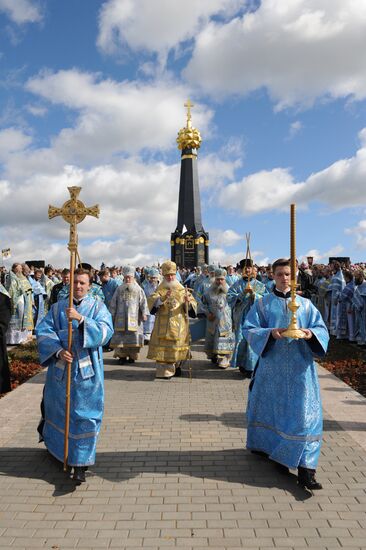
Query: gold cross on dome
column 189, row 105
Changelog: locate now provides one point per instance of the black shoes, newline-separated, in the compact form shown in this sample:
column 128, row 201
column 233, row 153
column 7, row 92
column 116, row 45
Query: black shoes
column 79, row 474
column 306, row 479
column 246, row 373
column 260, row 453
column 178, row 371
column 282, row 469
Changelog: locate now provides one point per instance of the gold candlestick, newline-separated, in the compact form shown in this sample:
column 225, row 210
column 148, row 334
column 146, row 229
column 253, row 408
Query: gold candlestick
column 293, row 331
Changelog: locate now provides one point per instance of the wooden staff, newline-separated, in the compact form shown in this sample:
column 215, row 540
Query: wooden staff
column 293, row 330
column 73, row 212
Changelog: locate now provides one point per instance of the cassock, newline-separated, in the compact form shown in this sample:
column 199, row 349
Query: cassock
column 39, row 296
column 87, row 379
column 199, row 288
column 240, row 303
column 359, row 304
column 337, row 285
column 345, row 325
column 108, row 289
column 149, row 288
column 284, row 410
column 231, row 279
column 5, row 314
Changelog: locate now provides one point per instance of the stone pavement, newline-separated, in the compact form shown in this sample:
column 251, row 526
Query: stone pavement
column 172, row 471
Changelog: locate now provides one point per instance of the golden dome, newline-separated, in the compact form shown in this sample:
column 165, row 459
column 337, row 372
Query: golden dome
column 188, row 137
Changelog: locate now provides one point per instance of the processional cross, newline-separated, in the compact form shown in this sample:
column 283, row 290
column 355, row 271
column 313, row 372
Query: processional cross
column 73, row 212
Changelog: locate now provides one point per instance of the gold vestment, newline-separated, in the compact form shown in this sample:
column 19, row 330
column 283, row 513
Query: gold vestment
column 170, row 338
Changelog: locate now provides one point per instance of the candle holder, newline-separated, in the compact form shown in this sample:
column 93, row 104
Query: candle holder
column 293, row 330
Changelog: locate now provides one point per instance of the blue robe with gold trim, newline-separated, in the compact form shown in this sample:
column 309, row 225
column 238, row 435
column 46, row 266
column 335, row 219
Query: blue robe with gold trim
column 87, row 379
column 240, row 303
column 284, row 408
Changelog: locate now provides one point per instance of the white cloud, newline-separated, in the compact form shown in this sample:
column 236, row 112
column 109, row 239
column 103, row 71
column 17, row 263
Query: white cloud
column 227, row 237
column 115, row 116
column 340, row 185
column 138, row 203
column 214, row 171
column 298, row 51
column 36, row 110
column 156, row 26
column 295, row 128
column 21, row 11
column 359, row 231
column 11, row 140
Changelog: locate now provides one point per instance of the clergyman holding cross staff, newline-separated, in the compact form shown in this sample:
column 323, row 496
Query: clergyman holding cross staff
column 70, row 340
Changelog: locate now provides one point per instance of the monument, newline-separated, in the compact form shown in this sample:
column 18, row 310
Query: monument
column 189, row 242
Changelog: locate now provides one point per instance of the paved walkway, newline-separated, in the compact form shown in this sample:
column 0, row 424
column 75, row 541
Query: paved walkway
column 172, row 471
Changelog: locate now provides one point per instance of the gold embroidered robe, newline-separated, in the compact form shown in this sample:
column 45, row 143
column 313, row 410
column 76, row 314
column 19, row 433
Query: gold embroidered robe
column 170, row 338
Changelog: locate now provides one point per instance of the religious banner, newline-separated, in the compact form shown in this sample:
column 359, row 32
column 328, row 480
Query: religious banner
column 6, row 253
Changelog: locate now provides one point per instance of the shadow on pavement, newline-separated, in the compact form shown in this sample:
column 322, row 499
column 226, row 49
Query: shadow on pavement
column 233, row 466
column 34, row 463
column 142, row 371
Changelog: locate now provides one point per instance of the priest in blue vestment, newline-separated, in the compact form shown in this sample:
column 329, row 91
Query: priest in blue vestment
column 109, row 285
column 337, row 285
column 284, row 407
column 359, row 304
column 92, row 329
column 231, row 276
column 241, row 296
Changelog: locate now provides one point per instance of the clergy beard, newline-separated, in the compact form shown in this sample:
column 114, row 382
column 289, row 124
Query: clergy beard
column 128, row 286
column 154, row 284
column 220, row 289
column 170, row 284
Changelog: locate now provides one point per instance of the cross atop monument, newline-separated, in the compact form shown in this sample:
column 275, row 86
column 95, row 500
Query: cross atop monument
column 73, row 212
column 189, row 105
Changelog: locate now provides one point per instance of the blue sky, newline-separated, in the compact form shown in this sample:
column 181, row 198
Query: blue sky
column 92, row 94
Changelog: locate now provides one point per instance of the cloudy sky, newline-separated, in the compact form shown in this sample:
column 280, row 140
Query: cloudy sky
column 92, row 93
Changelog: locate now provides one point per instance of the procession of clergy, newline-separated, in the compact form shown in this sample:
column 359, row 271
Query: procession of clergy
column 245, row 321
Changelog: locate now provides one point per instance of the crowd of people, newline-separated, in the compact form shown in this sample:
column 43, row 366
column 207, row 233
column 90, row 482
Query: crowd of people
column 242, row 312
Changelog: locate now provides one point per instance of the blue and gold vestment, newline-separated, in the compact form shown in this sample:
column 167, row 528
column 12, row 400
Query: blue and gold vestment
column 87, row 378
column 284, row 407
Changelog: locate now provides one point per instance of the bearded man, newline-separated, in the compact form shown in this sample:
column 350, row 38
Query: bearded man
column 128, row 307
column 170, row 339
column 220, row 340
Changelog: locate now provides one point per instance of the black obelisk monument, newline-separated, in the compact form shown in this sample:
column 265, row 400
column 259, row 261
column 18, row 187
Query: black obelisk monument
column 189, row 242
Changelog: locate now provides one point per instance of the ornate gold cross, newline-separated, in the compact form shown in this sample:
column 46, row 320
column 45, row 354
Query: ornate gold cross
column 189, row 105
column 73, row 212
